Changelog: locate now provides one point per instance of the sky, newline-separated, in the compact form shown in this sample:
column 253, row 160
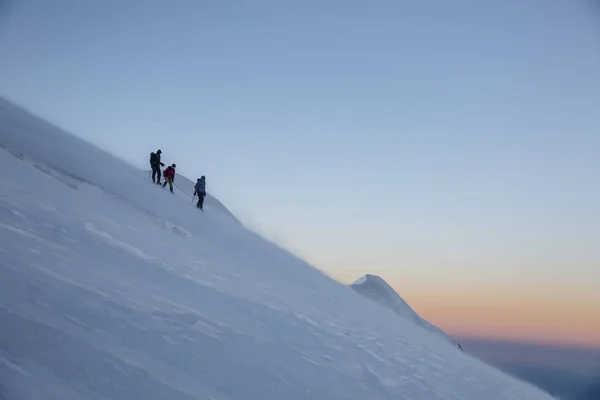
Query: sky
column 449, row 147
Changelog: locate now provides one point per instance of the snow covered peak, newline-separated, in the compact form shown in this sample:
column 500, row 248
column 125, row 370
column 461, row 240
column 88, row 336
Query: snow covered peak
column 378, row 290
column 361, row 280
column 112, row 287
column 368, row 277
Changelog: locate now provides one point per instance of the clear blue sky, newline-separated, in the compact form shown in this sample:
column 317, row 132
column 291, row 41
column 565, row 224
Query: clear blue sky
column 439, row 144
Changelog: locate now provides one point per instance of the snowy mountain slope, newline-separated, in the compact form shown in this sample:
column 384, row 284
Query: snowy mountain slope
column 378, row 290
column 186, row 186
column 113, row 288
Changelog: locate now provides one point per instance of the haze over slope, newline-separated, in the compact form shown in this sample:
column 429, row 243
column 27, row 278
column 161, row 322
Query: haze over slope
column 114, row 288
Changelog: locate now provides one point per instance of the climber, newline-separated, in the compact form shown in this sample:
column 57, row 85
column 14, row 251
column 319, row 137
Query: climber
column 155, row 164
column 169, row 175
column 200, row 191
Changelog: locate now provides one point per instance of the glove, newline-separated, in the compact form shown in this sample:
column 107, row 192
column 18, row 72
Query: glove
column 162, row 165
column 195, row 193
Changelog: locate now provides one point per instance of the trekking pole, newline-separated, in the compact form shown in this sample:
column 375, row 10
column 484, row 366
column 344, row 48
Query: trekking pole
column 193, row 198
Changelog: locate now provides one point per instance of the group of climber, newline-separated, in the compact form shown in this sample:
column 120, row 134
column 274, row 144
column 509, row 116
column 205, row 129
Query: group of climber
column 169, row 175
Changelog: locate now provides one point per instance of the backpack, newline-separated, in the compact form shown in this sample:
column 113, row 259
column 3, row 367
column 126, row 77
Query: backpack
column 154, row 159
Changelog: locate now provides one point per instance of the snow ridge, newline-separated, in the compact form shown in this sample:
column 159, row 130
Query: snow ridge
column 378, row 290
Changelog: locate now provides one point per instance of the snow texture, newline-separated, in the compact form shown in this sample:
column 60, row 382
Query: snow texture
column 113, row 288
column 378, row 290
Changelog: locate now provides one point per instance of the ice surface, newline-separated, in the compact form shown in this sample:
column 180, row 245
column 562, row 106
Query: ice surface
column 113, row 288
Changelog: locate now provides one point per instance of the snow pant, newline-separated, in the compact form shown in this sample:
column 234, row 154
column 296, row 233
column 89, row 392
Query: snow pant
column 200, row 203
column 156, row 173
column 169, row 180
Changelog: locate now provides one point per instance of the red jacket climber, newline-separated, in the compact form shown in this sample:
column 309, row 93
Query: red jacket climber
column 169, row 174
column 169, row 171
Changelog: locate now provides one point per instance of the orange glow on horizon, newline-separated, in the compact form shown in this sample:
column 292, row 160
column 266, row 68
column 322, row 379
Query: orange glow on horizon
column 498, row 313
column 540, row 312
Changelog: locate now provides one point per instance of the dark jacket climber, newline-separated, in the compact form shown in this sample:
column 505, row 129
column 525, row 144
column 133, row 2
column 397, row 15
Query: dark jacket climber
column 169, row 175
column 155, row 164
column 200, row 191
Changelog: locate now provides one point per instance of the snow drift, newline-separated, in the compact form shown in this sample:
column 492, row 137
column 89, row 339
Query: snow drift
column 113, row 288
column 378, row 290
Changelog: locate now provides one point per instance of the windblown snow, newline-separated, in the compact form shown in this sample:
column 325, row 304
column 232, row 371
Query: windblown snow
column 113, row 288
column 378, row 290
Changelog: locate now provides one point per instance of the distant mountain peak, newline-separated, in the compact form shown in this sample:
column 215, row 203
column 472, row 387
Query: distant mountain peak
column 368, row 277
column 377, row 289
